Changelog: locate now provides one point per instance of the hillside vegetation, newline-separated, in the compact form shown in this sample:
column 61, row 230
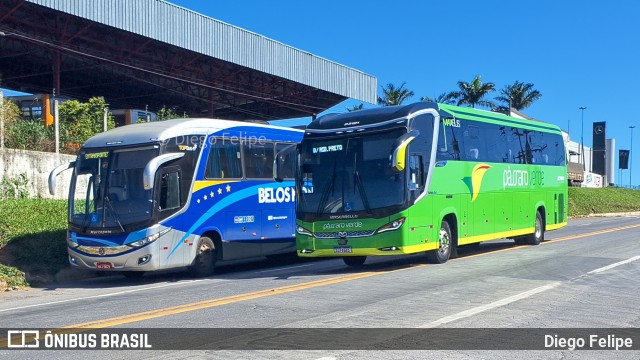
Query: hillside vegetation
column 32, row 232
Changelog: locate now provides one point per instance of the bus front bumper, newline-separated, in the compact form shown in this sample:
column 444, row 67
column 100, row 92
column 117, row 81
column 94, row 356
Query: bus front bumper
column 143, row 259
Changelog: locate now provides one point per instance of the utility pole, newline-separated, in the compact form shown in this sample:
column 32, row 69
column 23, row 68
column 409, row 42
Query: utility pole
column 630, row 152
column 584, row 164
column 2, row 112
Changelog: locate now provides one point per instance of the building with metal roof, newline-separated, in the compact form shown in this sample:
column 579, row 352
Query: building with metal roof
column 151, row 53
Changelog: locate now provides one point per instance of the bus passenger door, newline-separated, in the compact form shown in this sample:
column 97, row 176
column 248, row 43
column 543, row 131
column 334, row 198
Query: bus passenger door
column 173, row 249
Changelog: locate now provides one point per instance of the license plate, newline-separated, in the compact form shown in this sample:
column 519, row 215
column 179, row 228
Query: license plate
column 342, row 250
column 104, row 265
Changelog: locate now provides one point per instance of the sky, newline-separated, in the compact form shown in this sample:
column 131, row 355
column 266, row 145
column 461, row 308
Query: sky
column 576, row 53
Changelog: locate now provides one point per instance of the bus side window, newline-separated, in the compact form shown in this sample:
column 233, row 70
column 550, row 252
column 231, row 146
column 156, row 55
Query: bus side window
column 258, row 161
column 224, row 161
column 288, row 170
column 170, row 191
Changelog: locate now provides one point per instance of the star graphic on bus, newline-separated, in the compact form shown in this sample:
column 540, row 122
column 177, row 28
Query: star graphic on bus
column 228, row 188
column 219, row 191
column 212, row 194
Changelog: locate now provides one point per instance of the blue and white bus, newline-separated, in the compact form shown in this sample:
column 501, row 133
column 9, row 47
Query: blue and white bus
column 184, row 192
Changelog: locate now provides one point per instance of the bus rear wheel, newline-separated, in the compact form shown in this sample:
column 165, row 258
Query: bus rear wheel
column 354, row 260
column 442, row 254
column 205, row 261
column 538, row 235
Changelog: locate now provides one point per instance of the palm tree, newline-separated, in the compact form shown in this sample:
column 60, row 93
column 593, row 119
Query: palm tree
column 355, row 107
column 473, row 93
column 393, row 95
column 519, row 95
column 444, row 98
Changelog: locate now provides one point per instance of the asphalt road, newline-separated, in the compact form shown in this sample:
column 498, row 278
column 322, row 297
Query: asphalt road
column 587, row 275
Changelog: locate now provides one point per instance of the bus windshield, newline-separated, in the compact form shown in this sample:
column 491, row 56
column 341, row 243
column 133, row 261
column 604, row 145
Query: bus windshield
column 107, row 188
column 346, row 175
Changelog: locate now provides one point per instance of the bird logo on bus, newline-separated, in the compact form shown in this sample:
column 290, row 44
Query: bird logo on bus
column 474, row 182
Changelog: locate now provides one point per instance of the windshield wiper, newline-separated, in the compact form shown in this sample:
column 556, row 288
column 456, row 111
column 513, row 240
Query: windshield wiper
column 113, row 212
column 328, row 188
column 363, row 194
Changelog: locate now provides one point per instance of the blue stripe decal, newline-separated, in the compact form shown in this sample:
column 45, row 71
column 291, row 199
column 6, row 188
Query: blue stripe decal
column 224, row 203
column 75, row 238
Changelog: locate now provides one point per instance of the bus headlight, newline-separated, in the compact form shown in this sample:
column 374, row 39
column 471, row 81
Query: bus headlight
column 302, row 231
column 149, row 239
column 394, row 225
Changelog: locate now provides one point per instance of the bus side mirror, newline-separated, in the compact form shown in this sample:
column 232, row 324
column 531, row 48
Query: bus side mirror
column 54, row 174
column 280, row 163
column 149, row 174
column 399, row 155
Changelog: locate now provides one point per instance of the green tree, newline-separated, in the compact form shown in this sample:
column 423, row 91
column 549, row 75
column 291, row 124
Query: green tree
column 444, row 98
column 473, row 93
column 518, row 95
column 9, row 112
column 393, row 95
column 26, row 134
column 355, row 107
column 168, row 113
column 80, row 121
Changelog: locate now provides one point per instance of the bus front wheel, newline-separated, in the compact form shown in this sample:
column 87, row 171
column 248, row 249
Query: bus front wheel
column 442, row 254
column 354, row 260
column 538, row 234
column 205, row 261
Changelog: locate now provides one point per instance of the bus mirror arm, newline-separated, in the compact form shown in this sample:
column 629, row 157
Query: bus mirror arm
column 149, row 174
column 398, row 156
column 279, row 162
column 54, row 174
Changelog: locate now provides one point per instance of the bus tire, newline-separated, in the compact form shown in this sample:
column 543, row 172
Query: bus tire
column 354, row 260
column 133, row 274
column 538, row 235
column 443, row 252
column 205, row 261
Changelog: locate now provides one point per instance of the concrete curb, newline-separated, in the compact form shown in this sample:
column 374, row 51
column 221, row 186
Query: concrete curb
column 620, row 214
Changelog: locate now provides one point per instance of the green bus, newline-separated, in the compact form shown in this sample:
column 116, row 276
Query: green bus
column 426, row 177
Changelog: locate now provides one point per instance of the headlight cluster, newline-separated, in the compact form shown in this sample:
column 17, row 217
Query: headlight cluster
column 394, row 225
column 149, row 239
column 302, row 231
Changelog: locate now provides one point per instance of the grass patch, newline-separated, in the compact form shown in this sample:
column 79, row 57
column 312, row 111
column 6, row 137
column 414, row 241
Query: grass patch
column 583, row 201
column 33, row 247
column 32, row 240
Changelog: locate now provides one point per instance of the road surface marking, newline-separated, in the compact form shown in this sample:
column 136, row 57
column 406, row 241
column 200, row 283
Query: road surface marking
column 490, row 306
column 125, row 319
column 152, row 314
column 599, row 232
column 518, row 297
column 126, row 292
column 608, row 267
column 101, row 295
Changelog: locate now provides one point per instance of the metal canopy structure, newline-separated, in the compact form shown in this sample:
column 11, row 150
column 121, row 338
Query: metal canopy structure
column 150, row 53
